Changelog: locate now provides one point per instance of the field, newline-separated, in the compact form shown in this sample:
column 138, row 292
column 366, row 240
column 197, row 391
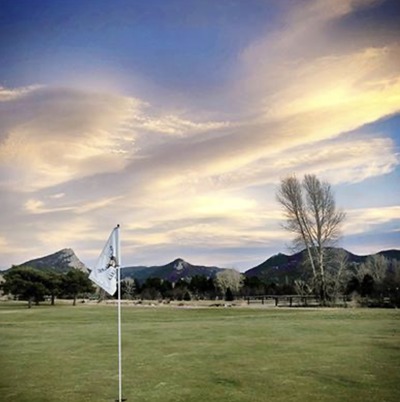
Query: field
column 65, row 353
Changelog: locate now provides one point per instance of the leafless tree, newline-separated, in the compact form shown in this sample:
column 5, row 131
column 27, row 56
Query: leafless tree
column 337, row 272
column 302, row 288
column 311, row 214
column 229, row 278
column 376, row 266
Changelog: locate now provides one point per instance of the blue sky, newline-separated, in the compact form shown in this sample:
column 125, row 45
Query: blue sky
column 177, row 119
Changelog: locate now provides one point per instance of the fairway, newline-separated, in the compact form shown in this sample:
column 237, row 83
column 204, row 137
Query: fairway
column 65, row 353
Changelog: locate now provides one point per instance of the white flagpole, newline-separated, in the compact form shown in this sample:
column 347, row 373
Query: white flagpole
column 119, row 318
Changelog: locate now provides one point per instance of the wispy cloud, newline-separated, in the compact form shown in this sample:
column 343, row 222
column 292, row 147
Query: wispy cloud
column 364, row 220
column 50, row 136
column 55, row 135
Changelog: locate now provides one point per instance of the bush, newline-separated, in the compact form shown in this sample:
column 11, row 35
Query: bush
column 229, row 295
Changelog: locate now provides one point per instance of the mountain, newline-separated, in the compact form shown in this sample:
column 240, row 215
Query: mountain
column 279, row 268
column 391, row 254
column 173, row 272
column 62, row 261
column 282, row 268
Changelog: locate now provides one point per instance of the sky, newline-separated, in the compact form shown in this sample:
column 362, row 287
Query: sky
column 177, row 119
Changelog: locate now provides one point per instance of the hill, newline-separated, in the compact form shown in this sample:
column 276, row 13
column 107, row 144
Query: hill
column 282, row 268
column 173, row 272
column 391, row 254
column 62, row 261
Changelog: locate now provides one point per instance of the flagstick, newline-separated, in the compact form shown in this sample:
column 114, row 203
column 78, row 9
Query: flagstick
column 119, row 321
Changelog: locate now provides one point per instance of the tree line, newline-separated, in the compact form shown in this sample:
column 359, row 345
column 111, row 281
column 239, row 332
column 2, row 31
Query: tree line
column 374, row 282
column 225, row 285
column 33, row 285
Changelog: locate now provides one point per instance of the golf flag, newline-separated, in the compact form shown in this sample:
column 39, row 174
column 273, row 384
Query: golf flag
column 104, row 274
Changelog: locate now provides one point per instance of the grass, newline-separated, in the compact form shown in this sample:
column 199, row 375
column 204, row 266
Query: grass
column 69, row 353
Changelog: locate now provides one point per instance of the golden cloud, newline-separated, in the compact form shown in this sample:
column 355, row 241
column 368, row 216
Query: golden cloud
column 365, row 219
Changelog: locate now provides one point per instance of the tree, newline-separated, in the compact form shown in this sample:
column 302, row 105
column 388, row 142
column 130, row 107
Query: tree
column 187, row 296
column 392, row 282
column 301, row 287
column 54, row 285
column 376, row 266
column 127, row 289
column 253, row 286
column 75, row 282
column 180, row 288
column 27, row 284
column 367, row 286
column 229, row 278
column 156, row 288
column 337, row 272
column 379, row 278
column 229, row 295
column 311, row 214
column 201, row 287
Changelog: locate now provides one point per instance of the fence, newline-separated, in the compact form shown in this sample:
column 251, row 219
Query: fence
column 285, row 300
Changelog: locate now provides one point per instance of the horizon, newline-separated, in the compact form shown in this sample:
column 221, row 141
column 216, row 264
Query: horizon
column 178, row 120
column 199, row 263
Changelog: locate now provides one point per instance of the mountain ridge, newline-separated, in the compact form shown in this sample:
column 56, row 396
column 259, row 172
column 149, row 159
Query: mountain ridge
column 175, row 270
column 282, row 267
column 61, row 261
column 277, row 268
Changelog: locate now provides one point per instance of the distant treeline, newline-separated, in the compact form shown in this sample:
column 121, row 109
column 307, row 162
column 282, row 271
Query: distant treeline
column 34, row 286
column 376, row 282
column 373, row 283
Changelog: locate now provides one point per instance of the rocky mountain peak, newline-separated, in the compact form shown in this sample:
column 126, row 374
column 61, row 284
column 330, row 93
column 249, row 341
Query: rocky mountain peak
column 60, row 261
column 180, row 264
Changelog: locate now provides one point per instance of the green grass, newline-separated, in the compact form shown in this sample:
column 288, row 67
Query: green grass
column 69, row 353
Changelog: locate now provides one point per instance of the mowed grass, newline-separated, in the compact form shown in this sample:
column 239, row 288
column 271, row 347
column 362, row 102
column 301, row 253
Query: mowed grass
column 68, row 353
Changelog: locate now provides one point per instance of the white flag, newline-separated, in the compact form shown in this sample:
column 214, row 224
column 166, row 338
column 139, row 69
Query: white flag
column 104, row 274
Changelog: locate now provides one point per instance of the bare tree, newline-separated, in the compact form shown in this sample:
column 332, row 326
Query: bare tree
column 302, row 288
column 376, row 266
column 311, row 214
column 337, row 272
column 229, row 278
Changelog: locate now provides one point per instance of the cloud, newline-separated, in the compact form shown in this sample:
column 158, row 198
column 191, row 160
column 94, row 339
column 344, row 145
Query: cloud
column 342, row 161
column 54, row 135
column 7, row 94
column 364, row 220
column 50, row 136
column 174, row 125
column 314, row 83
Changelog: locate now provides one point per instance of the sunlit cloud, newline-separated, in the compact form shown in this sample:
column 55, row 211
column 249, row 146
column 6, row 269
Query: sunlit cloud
column 344, row 161
column 174, row 125
column 310, row 94
column 364, row 220
column 53, row 136
column 57, row 196
column 7, row 94
column 66, row 234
